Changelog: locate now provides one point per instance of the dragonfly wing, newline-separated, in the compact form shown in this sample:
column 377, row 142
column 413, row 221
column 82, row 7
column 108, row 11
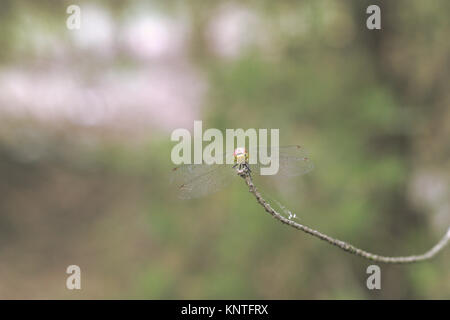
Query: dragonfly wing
column 197, row 180
column 293, row 160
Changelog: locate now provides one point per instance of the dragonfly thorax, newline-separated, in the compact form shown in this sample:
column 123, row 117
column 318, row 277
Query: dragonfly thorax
column 241, row 161
column 240, row 156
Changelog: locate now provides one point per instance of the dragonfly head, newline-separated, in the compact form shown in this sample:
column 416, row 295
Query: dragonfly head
column 240, row 155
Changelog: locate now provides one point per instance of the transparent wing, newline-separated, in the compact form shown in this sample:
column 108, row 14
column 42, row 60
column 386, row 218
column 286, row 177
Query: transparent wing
column 294, row 160
column 197, row 180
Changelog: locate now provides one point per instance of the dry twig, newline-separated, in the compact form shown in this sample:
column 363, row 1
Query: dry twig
column 341, row 244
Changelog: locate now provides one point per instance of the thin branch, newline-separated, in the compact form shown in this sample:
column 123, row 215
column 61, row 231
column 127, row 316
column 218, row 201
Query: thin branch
column 341, row 244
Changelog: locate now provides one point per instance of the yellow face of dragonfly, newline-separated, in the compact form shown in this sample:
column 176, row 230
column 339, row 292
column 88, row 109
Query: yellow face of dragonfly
column 240, row 156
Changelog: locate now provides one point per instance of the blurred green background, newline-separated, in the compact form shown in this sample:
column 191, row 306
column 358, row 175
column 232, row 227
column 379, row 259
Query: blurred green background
column 85, row 123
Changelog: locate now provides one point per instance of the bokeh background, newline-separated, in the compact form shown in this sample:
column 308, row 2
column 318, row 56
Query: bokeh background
column 85, row 123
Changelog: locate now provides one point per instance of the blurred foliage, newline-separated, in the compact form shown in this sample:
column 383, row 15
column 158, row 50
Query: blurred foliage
column 372, row 108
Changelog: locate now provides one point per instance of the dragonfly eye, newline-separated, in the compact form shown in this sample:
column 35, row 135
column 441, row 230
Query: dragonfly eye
column 239, row 151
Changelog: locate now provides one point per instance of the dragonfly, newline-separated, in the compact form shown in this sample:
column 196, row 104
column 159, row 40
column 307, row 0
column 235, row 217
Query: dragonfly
column 198, row 180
